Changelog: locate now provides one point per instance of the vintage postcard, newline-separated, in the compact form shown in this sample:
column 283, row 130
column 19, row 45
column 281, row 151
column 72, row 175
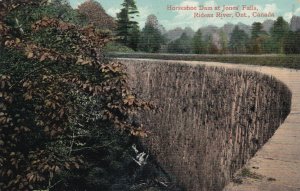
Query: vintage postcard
column 160, row 95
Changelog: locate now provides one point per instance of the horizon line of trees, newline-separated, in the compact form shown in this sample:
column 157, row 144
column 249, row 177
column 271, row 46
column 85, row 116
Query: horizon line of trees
column 279, row 40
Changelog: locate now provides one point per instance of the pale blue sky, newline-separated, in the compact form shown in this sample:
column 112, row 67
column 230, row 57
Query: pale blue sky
column 172, row 19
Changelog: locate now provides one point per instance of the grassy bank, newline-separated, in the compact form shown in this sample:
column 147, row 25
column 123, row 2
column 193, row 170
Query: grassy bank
column 286, row 61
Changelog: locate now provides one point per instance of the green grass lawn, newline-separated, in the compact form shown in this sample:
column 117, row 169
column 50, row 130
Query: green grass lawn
column 286, row 61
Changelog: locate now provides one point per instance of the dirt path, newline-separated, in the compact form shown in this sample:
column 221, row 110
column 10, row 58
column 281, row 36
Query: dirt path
column 276, row 166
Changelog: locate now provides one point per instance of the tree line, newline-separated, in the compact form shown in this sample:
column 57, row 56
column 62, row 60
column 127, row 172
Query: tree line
column 279, row 40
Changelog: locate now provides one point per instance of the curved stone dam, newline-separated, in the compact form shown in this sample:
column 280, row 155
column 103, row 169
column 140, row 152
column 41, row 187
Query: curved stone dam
column 209, row 120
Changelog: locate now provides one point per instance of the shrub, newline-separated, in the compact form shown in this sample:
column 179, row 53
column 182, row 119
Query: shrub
column 64, row 110
column 117, row 47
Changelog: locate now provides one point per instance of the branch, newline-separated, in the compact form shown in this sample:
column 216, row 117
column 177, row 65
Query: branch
column 93, row 148
column 33, row 71
column 54, row 184
column 72, row 143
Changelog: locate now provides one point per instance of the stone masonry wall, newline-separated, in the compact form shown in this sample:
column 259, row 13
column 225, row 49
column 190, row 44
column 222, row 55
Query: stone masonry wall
column 209, row 120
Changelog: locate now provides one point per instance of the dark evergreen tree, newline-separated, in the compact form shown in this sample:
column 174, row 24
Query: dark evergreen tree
column 223, row 42
column 128, row 29
column 279, row 31
column 151, row 37
column 134, row 36
column 257, row 30
column 198, row 46
column 239, row 41
column 211, row 46
column 291, row 43
column 181, row 45
column 258, row 38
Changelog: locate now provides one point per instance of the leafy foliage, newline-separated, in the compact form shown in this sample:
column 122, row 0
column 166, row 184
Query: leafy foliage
column 181, row 45
column 151, row 38
column 278, row 33
column 96, row 15
column 117, row 47
column 291, row 43
column 238, row 41
column 60, row 102
column 198, row 46
column 211, row 46
column 223, row 42
column 259, row 38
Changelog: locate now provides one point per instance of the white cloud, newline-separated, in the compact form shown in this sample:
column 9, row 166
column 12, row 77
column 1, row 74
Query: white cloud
column 209, row 3
column 79, row 2
column 144, row 13
column 288, row 16
column 184, row 18
column 185, row 15
column 270, row 8
column 113, row 11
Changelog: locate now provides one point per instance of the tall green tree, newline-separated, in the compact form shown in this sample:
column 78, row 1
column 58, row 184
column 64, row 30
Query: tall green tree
column 267, row 44
column 211, row 46
column 291, row 43
column 238, row 41
column 258, row 38
column 181, row 45
column 198, row 45
column 128, row 29
column 257, row 30
column 223, row 42
column 134, row 37
column 151, row 38
column 278, row 32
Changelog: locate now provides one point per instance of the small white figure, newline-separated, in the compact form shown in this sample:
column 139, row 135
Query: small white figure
column 141, row 158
